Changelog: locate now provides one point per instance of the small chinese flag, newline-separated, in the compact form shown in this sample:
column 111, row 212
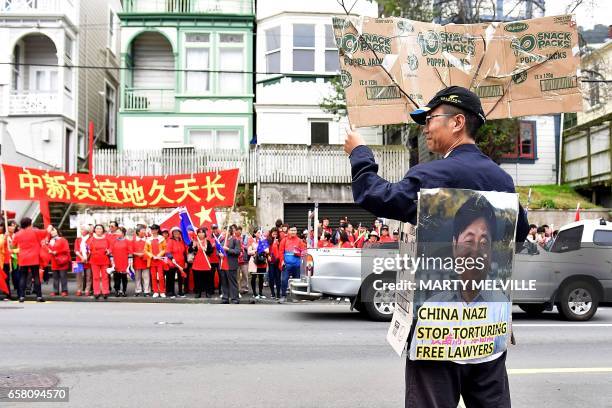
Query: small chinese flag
column 3, row 286
column 577, row 217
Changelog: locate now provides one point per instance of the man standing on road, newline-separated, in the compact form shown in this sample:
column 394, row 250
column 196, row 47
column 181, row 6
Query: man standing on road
column 451, row 121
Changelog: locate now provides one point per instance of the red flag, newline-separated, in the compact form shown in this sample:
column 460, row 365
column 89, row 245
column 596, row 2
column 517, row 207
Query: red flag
column 44, row 211
column 200, row 216
column 577, row 217
column 3, row 286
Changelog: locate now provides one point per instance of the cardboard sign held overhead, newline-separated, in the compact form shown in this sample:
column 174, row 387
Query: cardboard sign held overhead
column 389, row 65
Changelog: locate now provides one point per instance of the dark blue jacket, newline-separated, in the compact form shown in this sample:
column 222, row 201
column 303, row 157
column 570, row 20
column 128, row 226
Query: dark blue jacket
column 465, row 167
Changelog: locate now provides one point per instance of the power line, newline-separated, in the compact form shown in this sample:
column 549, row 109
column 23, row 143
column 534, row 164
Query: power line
column 223, row 71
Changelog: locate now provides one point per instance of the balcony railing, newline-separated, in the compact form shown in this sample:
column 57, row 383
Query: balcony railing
column 190, row 6
column 25, row 102
column 263, row 163
column 148, row 99
column 39, row 6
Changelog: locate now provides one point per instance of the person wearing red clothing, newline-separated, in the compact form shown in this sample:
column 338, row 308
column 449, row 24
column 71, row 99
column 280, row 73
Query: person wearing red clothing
column 326, row 226
column 343, row 240
column 27, row 241
column 274, row 272
column 12, row 273
column 155, row 248
column 202, row 249
column 59, row 249
column 142, row 276
column 45, row 262
column 324, row 241
column 384, row 235
column 81, row 250
column 121, row 256
column 100, row 249
column 176, row 252
column 215, row 259
column 290, row 253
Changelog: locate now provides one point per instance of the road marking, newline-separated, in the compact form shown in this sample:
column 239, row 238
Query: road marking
column 561, row 324
column 559, row 370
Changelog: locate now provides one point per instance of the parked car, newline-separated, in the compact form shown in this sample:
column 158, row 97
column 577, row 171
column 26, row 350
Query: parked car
column 575, row 275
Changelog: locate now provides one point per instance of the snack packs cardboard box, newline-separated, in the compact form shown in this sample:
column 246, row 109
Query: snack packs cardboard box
column 389, row 65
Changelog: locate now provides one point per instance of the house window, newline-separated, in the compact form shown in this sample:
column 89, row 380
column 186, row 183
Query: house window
column 215, row 139
column 332, row 63
column 111, row 114
column 319, row 132
column 594, row 95
column 524, row 143
column 231, row 58
column 112, row 31
column 273, row 50
column 197, row 58
column 303, row 47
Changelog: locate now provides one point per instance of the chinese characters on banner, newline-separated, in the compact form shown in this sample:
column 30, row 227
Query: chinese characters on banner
column 212, row 189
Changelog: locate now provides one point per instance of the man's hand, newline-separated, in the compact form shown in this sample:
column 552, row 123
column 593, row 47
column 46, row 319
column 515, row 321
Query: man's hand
column 353, row 139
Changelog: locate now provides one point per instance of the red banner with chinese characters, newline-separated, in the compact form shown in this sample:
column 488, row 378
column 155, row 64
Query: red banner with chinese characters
column 213, row 189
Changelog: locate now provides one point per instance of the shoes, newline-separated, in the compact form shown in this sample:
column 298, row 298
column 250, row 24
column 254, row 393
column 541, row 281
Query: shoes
column 120, row 294
column 257, row 296
column 162, row 295
column 52, row 294
column 105, row 297
column 21, row 299
column 64, row 294
column 236, row 302
column 79, row 293
column 262, row 297
column 282, row 300
column 172, row 297
column 96, row 297
column 87, row 293
column 155, row 295
column 40, row 300
column 137, row 294
column 182, row 296
column 225, row 302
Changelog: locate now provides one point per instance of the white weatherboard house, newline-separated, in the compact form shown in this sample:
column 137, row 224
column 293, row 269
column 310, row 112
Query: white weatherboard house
column 296, row 57
column 46, row 102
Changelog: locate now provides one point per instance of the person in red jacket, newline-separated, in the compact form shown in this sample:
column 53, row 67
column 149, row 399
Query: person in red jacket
column 343, row 240
column 243, row 262
column 100, row 249
column 384, row 235
column 214, row 258
column 59, row 249
column 176, row 252
column 121, row 251
column 290, row 253
column 155, row 248
column 27, row 241
column 324, row 241
column 45, row 262
column 202, row 272
column 81, row 250
column 274, row 272
column 141, row 262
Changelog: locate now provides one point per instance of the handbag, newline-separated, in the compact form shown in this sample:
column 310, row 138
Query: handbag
column 63, row 259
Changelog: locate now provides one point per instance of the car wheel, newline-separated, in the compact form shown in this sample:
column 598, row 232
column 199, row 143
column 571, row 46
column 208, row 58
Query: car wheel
column 532, row 309
column 378, row 305
column 578, row 301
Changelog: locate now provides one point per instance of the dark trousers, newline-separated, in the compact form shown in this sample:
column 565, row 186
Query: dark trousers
column 254, row 277
column 182, row 282
column 214, row 268
column 289, row 271
column 209, row 282
column 438, row 384
column 170, row 281
column 60, row 281
column 274, row 279
column 198, row 281
column 229, row 285
column 31, row 270
column 120, row 280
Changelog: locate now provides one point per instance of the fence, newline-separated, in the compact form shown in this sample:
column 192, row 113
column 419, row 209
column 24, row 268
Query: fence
column 262, row 163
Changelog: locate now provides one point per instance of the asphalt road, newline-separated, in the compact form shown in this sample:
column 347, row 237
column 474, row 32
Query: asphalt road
column 293, row 355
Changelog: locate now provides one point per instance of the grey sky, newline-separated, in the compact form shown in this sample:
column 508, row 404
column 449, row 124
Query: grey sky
column 589, row 13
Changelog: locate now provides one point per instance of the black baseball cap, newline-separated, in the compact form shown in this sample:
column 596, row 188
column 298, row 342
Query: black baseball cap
column 453, row 95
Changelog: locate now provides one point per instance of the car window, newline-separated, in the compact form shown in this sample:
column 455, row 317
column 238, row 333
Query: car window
column 568, row 240
column 602, row 237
